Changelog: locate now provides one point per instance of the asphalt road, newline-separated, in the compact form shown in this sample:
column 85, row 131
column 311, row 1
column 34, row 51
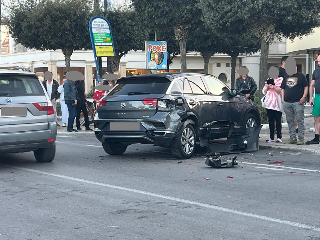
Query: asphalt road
column 147, row 194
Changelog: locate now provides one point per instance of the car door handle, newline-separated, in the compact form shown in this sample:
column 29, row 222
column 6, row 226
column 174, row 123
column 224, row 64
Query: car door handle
column 192, row 102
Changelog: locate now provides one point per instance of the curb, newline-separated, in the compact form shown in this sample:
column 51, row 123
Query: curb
column 289, row 148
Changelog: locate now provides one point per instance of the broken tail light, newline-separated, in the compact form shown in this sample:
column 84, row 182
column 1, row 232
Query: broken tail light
column 158, row 103
column 44, row 107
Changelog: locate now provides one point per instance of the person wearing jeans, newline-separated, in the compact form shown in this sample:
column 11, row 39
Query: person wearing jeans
column 294, row 90
column 71, row 101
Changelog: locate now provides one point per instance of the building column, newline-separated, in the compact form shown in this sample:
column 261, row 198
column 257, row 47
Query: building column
column 88, row 77
column 31, row 66
column 123, row 69
column 52, row 67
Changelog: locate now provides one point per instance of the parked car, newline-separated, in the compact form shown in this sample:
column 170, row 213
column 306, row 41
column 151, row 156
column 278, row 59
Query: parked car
column 174, row 110
column 26, row 116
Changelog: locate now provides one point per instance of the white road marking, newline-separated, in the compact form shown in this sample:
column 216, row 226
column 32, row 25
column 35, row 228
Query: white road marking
column 277, row 169
column 223, row 209
column 93, row 146
column 281, row 167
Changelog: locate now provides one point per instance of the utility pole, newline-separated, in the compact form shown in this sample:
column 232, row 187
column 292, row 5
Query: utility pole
column 0, row 27
column 96, row 5
column 109, row 69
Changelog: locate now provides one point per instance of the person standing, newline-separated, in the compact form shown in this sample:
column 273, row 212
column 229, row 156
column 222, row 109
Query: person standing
column 98, row 95
column 245, row 84
column 71, row 102
column 273, row 103
column 314, row 101
column 81, row 105
column 282, row 70
column 294, row 90
column 64, row 107
column 51, row 87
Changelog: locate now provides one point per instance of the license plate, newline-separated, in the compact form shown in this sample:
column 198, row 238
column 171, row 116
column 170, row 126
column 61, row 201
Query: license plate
column 13, row 112
column 124, row 126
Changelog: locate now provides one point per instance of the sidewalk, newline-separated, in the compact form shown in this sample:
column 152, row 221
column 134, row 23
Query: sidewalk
column 309, row 134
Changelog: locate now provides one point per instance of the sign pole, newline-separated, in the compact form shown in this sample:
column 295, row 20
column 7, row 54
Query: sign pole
column 102, row 41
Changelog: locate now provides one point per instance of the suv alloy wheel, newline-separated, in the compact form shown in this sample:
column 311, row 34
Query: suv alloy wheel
column 184, row 143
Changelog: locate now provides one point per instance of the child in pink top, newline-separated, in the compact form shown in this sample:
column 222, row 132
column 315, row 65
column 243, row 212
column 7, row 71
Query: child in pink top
column 273, row 104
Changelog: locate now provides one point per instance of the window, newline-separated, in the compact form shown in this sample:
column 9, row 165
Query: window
column 197, row 85
column 141, row 86
column 176, row 86
column 227, row 64
column 20, row 85
column 218, row 64
column 216, row 87
column 186, row 87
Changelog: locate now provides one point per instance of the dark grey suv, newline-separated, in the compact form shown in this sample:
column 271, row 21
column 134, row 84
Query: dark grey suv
column 26, row 116
column 174, row 110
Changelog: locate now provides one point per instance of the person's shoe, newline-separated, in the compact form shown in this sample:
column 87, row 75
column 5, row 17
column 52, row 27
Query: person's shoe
column 89, row 129
column 292, row 141
column 64, row 125
column 297, row 130
column 279, row 140
column 79, row 129
column 269, row 140
column 75, row 130
column 70, row 130
column 300, row 141
column 313, row 141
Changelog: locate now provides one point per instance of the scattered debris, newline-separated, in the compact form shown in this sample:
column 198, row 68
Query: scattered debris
column 221, row 161
column 229, row 177
column 277, row 162
column 206, row 178
column 179, row 161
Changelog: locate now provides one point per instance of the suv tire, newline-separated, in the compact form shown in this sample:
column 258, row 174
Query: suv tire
column 184, row 144
column 45, row 154
column 250, row 121
column 114, row 148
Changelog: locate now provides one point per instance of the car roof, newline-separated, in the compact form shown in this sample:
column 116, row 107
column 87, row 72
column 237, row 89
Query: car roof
column 167, row 75
column 6, row 71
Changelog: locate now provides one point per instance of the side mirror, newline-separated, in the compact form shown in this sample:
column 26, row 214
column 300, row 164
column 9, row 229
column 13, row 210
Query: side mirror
column 233, row 92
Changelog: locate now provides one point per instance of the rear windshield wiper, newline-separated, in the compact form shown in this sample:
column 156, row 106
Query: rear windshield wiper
column 137, row 93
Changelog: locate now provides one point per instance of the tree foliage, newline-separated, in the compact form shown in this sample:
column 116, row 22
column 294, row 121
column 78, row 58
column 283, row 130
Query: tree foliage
column 202, row 39
column 164, row 14
column 236, row 44
column 267, row 19
column 59, row 24
column 128, row 33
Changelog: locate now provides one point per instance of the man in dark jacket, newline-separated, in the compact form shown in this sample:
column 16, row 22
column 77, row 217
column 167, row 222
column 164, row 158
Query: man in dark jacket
column 70, row 98
column 51, row 87
column 245, row 84
column 81, row 105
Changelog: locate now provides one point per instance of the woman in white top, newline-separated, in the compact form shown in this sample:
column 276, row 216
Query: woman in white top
column 64, row 108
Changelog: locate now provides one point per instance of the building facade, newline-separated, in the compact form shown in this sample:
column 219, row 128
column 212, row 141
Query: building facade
column 135, row 61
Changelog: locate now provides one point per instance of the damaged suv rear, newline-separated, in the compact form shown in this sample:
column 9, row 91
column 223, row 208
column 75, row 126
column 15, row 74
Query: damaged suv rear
column 178, row 111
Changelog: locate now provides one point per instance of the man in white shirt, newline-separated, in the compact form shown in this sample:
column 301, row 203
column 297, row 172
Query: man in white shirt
column 51, row 87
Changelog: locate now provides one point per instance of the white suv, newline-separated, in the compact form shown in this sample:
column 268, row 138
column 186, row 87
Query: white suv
column 26, row 116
